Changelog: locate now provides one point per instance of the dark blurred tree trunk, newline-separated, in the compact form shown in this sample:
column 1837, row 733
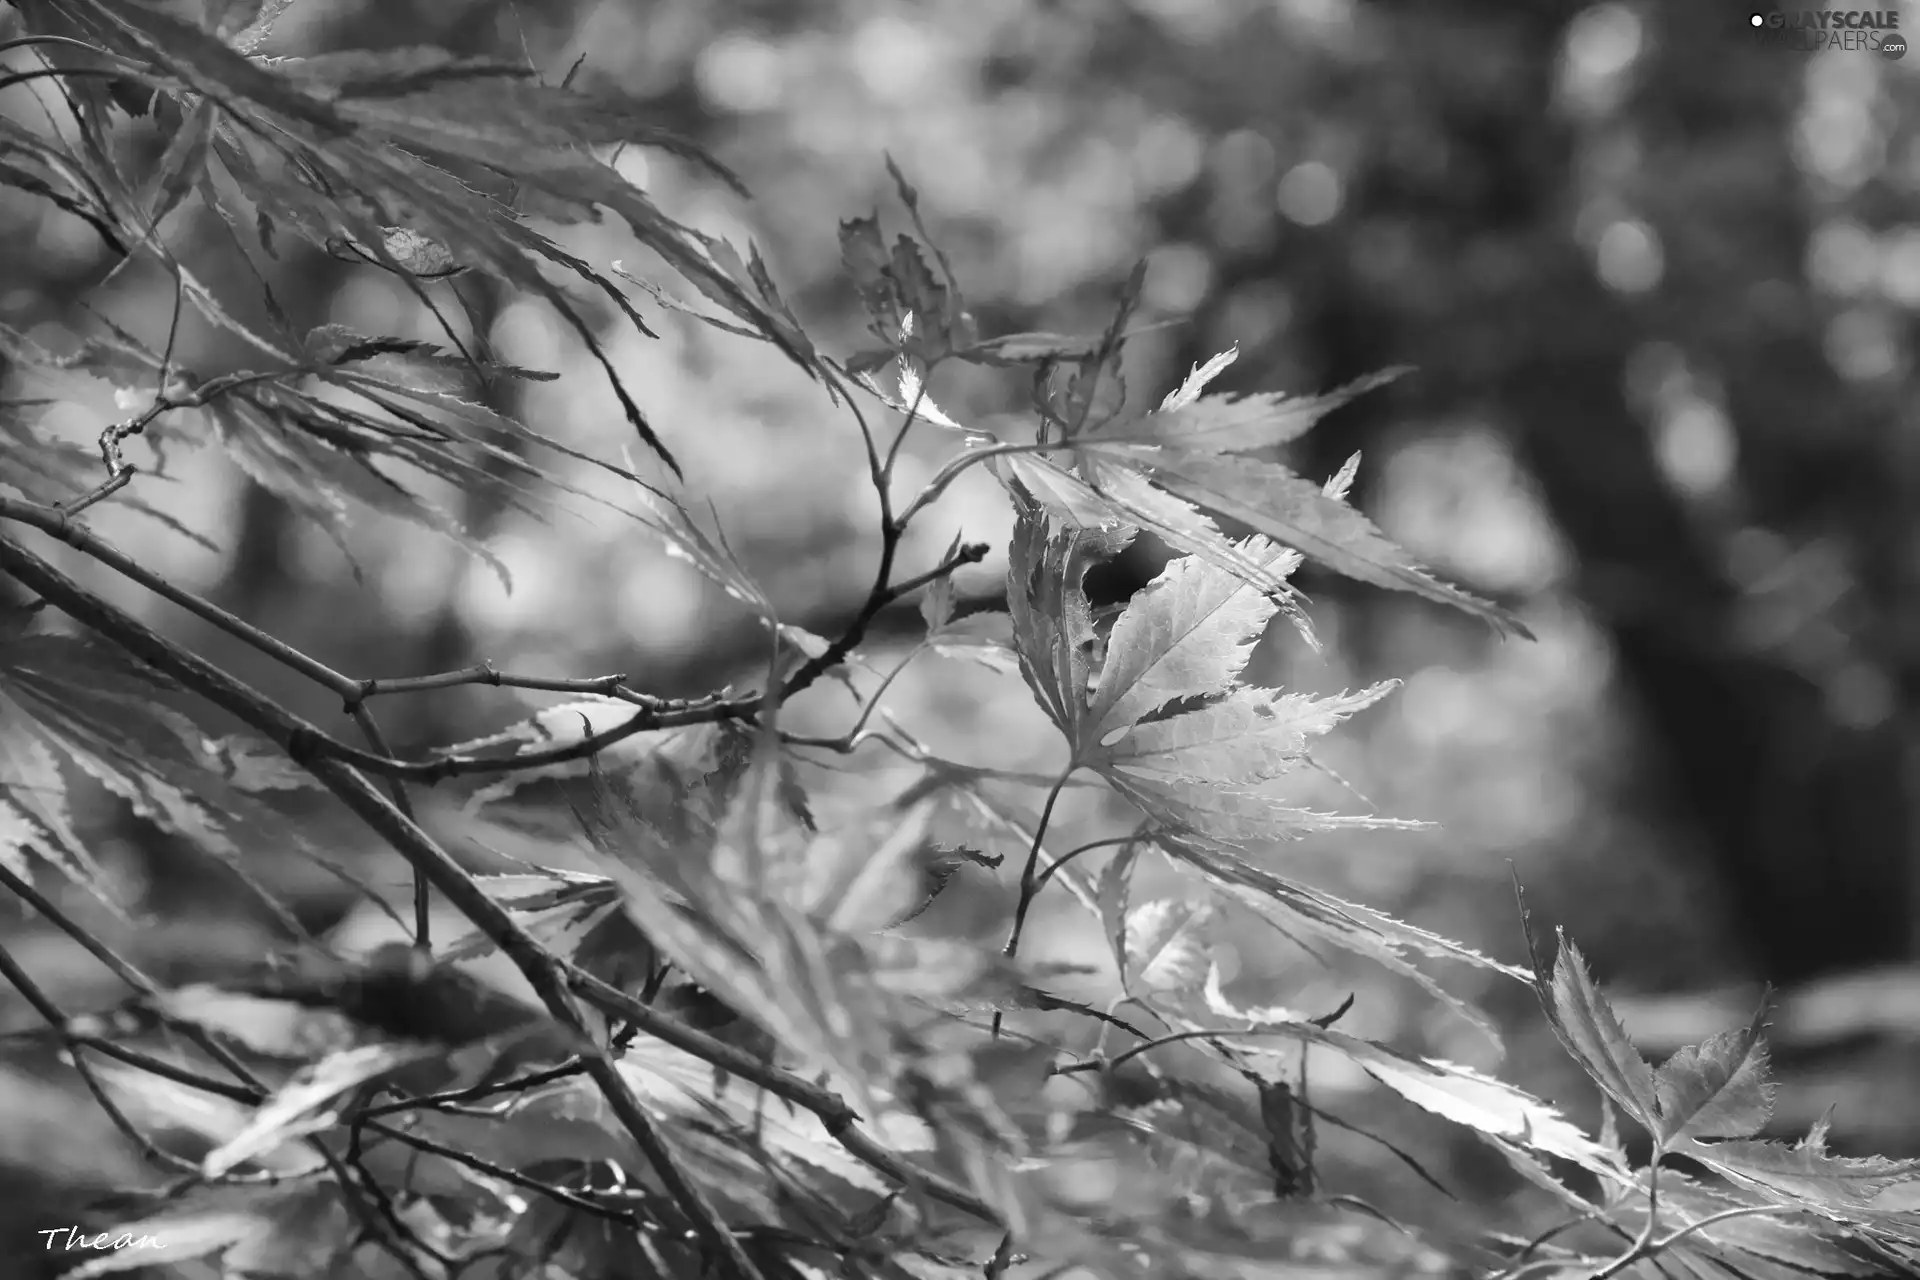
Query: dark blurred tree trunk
column 1806, row 821
column 1806, row 818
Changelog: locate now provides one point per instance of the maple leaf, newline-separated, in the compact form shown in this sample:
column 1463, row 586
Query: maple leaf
column 84, row 701
column 1162, row 946
column 1446, row 1089
column 1719, row 1088
column 1157, row 469
column 1773, row 1246
column 1052, row 621
column 1296, row 909
column 1297, row 511
column 1844, row 1187
column 778, row 920
column 909, row 309
column 1205, row 1142
column 1103, row 497
column 1589, row 1029
column 373, row 154
column 1188, row 633
column 1167, row 723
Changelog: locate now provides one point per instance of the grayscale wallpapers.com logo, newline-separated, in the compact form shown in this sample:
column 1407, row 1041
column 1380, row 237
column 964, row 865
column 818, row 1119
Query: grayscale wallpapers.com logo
column 1823, row 30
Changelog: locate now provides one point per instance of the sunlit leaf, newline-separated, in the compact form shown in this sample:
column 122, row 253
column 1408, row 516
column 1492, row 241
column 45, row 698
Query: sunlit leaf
column 1718, row 1089
column 1166, row 947
column 1455, row 1092
column 1298, row 512
column 1591, row 1032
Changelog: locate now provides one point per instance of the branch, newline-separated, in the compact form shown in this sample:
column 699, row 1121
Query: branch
column 419, row 849
column 304, row 742
column 612, row 686
column 54, row 521
column 838, row 1118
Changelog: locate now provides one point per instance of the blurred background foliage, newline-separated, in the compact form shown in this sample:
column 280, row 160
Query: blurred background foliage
column 1660, row 288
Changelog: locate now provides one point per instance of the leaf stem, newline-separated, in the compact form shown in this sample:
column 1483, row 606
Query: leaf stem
column 1643, row 1244
column 1030, row 883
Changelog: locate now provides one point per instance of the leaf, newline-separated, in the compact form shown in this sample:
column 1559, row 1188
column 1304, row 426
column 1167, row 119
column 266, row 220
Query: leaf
column 88, row 702
column 183, row 163
column 914, row 400
column 1029, row 348
column 362, row 149
column 1297, row 512
column 1773, row 1246
column 34, row 815
column 1215, row 770
column 1220, row 424
column 1210, row 765
column 863, row 877
column 985, row 638
column 681, row 1085
column 1189, row 391
column 248, row 23
column 1040, row 348
column 1289, row 1128
column 300, row 1107
column 1165, row 948
column 1446, row 1089
column 1111, row 894
column 1096, row 388
column 924, row 299
column 1052, row 622
column 1105, row 496
column 1169, row 726
column 1156, row 469
column 709, row 553
column 375, row 73
column 205, row 63
column 1198, row 1141
column 938, row 870
column 1294, row 908
column 510, row 123
column 1188, row 633
column 1839, row 1186
column 1718, row 1089
column 1587, row 1026
column 763, row 960
column 936, row 603
column 573, row 914
column 409, row 359
column 1340, row 482
column 864, row 254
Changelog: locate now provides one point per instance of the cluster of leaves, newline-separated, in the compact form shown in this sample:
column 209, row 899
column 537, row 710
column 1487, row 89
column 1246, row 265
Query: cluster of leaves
column 753, row 1055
